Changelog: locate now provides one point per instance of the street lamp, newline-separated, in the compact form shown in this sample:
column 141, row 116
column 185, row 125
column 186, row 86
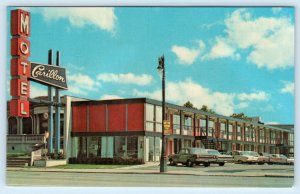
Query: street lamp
column 163, row 158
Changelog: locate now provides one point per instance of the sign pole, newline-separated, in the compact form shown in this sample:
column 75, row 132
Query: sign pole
column 50, row 110
column 57, row 115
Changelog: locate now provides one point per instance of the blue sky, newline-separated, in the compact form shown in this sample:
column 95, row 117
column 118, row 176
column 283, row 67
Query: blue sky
column 230, row 59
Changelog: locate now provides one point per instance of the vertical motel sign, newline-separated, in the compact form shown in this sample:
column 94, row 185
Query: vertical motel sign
column 19, row 64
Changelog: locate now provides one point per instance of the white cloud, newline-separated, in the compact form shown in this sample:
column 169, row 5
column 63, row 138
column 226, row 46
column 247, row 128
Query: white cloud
column 103, row 18
column 187, row 56
column 128, row 78
column 221, row 102
column 221, row 49
column 109, row 97
column 242, row 105
column 258, row 96
column 288, row 87
column 81, row 84
column 187, row 90
column 270, row 39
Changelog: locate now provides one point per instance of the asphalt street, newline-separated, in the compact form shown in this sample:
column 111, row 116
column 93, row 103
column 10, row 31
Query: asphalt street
column 230, row 175
column 21, row 178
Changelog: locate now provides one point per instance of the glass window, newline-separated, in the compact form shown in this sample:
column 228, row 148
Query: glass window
column 187, row 123
column 107, row 147
column 229, row 131
column 132, row 147
column 202, row 123
column 120, row 147
column 223, row 131
column 238, row 133
column 149, row 117
column 94, row 146
column 151, row 149
column 176, row 124
column 149, row 112
column 158, row 114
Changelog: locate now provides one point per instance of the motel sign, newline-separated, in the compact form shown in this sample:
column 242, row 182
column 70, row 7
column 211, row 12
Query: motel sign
column 19, row 64
column 21, row 70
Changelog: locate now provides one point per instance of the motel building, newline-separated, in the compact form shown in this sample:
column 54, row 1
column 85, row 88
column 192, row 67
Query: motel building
column 132, row 128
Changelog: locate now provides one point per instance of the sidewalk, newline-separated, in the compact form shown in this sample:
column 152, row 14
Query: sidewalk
column 150, row 168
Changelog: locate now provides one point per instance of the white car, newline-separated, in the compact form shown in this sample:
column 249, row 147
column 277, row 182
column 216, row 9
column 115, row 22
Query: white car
column 244, row 157
column 221, row 158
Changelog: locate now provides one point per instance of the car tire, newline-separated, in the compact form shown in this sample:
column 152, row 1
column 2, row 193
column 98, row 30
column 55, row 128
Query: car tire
column 172, row 163
column 221, row 164
column 189, row 163
column 206, row 164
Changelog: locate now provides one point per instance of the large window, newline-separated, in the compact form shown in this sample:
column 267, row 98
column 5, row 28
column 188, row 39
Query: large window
column 176, row 124
column 94, row 146
column 247, row 133
column 238, row 133
column 262, row 136
column 223, row 131
column 149, row 117
column 229, row 131
column 252, row 134
column 291, row 139
column 107, row 147
column 211, row 126
column 120, row 147
column 273, row 137
column 132, row 147
column 158, row 118
column 202, row 127
column 187, row 125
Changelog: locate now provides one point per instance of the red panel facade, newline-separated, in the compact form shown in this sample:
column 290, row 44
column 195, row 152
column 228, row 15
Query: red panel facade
column 97, row 118
column 116, row 117
column 79, row 119
column 135, row 117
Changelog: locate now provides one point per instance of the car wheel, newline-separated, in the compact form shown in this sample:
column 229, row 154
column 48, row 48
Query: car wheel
column 206, row 164
column 189, row 163
column 221, row 164
column 172, row 163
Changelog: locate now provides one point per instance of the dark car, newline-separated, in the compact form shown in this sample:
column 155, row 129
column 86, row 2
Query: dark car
column 221, row 159
column 191, row 156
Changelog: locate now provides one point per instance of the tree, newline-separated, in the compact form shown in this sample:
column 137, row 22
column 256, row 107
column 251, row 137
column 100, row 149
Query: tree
column 188, row 104
column 241, row 116
column 206, row 109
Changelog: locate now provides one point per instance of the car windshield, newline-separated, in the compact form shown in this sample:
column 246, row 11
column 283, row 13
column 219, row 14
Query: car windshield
column 198, row 151
column 213, row 152
column 250, row 153
column 283, row 156
column 267, row 154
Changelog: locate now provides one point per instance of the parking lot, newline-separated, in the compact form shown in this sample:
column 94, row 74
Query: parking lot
column 232, row 169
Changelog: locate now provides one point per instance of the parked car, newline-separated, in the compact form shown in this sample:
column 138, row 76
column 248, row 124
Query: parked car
column 191, row 156
column 221, row 159
column 290, row 161
column 244, row 157
column 268, row 156
column 261, row 158
column 279, row 159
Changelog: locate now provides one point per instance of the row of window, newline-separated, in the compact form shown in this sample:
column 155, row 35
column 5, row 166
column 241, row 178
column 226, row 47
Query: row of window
column 154, row 123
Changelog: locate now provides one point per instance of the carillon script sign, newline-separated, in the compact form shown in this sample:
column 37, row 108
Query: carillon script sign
column 49, row 75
